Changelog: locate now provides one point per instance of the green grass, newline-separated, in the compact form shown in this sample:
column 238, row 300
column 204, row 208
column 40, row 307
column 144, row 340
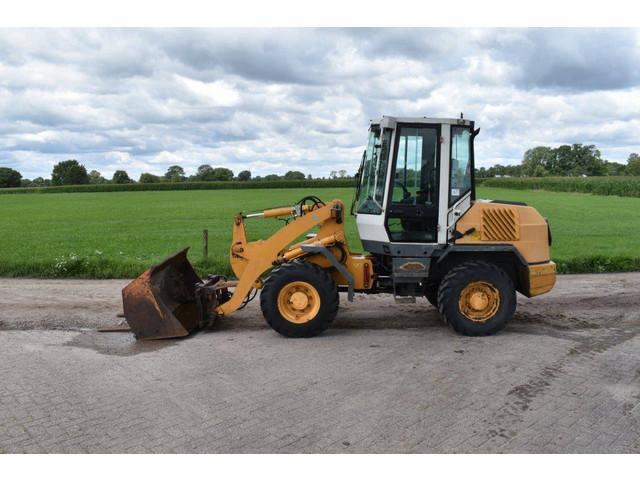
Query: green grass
column 591, row 233
column 119, row 234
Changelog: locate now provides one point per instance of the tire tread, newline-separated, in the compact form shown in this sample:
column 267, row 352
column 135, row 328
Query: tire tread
column 445, row 293
column 269, row 306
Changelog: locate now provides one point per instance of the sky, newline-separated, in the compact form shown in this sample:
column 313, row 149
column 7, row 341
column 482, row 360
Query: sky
column 273, row 100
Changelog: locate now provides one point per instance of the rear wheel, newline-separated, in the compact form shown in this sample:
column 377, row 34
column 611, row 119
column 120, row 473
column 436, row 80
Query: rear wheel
column 299, row 299
column 477, row 298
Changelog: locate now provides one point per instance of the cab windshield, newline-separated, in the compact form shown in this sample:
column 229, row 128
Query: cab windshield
column 374, row 171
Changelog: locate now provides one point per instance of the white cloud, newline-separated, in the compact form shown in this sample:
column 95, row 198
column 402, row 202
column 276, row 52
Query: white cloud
column 273, row 100
column 212, row 94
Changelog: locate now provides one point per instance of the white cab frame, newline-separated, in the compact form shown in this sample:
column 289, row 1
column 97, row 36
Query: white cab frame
column 372, row 227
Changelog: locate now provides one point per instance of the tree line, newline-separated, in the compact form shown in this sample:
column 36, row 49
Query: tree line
column 564, row 161
column 71, row 172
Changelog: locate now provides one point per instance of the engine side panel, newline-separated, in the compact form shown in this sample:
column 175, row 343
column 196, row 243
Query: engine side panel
column 496, row 223
column 520, row 226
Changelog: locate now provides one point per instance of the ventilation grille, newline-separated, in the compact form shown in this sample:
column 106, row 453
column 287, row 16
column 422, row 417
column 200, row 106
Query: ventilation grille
column 499, row 225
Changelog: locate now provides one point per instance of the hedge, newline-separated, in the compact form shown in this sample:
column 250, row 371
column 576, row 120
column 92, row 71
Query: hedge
column 620, row 186
column 91, row 267
column 143, row 187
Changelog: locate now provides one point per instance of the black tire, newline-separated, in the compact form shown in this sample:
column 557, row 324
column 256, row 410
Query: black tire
column 319, row 279
column 431, row 294
column 488, row 276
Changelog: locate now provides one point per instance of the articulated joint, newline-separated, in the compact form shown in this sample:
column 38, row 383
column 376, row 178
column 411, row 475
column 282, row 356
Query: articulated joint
column 316, row 248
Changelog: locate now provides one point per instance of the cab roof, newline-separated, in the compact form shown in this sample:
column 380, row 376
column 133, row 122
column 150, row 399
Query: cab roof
column 389, row 121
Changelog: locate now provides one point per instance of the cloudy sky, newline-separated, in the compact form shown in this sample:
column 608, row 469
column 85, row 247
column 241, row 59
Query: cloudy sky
column 274, row 100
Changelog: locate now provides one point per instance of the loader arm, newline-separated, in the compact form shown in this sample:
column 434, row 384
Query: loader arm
column 250, row 260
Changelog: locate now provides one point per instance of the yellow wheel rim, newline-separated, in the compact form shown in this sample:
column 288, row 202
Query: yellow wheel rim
column 479, row 301
column 298, row 302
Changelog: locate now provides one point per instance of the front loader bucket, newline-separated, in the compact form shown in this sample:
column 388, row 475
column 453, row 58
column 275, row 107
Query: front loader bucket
column 161, row 302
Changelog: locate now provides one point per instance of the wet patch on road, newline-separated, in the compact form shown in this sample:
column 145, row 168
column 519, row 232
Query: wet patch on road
column 559, row 321
column 117, row 343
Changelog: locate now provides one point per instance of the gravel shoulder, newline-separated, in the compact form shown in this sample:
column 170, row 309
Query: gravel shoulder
column 577, row 302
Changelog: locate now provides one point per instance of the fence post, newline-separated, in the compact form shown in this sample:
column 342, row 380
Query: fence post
column 205, row 244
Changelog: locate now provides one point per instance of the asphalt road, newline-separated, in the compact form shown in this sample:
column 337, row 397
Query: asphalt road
column 564, row 376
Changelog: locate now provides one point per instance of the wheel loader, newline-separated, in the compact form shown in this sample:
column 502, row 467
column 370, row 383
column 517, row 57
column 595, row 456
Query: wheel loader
column 424, row 231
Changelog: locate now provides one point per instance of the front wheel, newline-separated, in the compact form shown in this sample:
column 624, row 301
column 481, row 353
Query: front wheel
column 299, row 299
column 477, row 298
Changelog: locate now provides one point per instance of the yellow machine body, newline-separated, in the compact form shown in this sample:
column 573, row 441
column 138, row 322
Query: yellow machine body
column 486, row 223
column 416, row 213
column 518, row 225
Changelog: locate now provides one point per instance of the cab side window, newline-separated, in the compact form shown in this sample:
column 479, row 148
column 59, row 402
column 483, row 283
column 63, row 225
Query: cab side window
column 460, row 180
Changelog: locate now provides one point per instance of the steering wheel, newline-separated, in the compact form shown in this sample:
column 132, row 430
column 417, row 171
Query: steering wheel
column 405, row 193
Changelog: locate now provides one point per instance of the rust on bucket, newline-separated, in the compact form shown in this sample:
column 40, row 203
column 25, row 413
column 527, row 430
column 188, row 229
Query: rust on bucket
column 162, row 302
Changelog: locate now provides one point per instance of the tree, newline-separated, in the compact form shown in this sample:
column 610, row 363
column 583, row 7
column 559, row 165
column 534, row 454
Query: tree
column 294, row 175
column 244, row 176
column 69, row 172
column 309, row 176
column 9, row 177
column 271, row 177
column 633, row 164
column 95, row 177
column 204, row 173
column 149, row 178
column 333, row 174
column 342, row 173
column 588, row 160
column 222, row 174
column 566, row 160
column 120, row 176
column 578, row 159
column 481, row 172
column 614, row 169
column 538, row 171
column 40, row 182
column 175, row 173
column 537, row 161
column 502, row 171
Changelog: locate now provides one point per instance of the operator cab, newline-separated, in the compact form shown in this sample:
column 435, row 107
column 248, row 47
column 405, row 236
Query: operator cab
column 415, row 180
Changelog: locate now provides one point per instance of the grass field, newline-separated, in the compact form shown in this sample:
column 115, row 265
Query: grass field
column 119, row 234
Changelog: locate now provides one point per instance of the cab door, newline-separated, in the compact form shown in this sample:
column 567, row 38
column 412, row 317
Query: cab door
column 461, row 164
column 412, row 213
